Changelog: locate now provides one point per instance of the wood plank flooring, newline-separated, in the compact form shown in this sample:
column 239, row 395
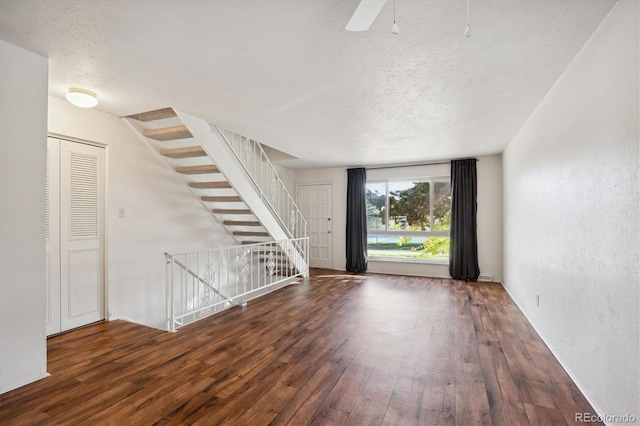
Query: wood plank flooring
column 335, row 349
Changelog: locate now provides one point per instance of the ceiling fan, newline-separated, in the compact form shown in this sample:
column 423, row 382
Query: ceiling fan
column 365, row 14
column 368, row 10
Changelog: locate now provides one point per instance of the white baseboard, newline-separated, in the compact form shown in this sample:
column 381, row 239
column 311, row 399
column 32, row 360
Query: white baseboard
column 580, row 387
column 15, row 386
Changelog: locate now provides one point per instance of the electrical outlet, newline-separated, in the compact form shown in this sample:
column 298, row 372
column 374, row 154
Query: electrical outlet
column 122, row 212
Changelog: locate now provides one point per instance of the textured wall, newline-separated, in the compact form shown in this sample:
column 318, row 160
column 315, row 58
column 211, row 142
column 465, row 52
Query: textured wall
column 23, row 142
column 490, row 216
column 571, row 222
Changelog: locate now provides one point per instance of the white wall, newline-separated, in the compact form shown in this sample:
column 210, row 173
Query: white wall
column 161, row 213
column 489, row 215
column 288, row 178
column 23, row 142
column 571, row 222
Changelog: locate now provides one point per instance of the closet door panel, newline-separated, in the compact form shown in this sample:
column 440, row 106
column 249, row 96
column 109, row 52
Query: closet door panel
column 53, row 237
column 82, row 234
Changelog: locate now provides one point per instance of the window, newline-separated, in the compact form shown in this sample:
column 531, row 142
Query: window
column 409, row 219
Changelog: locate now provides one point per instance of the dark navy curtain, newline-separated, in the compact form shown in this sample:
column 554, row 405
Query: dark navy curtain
column 356, row 220
column 463, row 250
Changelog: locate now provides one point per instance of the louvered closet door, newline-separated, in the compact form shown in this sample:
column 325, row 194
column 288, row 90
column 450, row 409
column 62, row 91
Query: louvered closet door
column 81, row 234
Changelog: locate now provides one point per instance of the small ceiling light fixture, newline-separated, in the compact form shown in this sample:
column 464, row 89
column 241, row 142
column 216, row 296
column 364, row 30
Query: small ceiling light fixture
column 82, row 98
column 467, row 32
column 394, row 28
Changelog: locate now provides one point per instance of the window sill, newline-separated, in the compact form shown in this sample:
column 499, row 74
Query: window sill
column 444, row 262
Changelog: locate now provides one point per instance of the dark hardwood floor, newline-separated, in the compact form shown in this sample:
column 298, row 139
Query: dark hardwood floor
column 336, row 349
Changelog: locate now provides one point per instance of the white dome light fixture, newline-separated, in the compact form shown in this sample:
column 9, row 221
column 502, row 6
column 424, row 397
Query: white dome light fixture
column 82, row 98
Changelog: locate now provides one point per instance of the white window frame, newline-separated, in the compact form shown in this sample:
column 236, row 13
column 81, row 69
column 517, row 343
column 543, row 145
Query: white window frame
column 394, row 232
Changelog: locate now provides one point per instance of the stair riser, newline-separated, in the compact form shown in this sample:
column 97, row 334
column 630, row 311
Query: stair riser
column 231, row 211
column 159, row 114
column 187, row 152
column 222, row 199
column 251, row 234
column 197, row 170
column 210, row 185
column 240, row 223
column 168, row 133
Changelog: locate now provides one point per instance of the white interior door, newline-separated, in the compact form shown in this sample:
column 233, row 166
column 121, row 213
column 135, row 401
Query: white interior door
column 79, row 295
column 81, row 248
column 315, row 205
column 53, row 237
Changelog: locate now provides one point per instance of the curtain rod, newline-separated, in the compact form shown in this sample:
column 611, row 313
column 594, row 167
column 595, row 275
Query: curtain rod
column 417, row 164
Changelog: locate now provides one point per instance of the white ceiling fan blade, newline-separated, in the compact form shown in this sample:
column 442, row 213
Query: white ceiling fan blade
column 364, row 15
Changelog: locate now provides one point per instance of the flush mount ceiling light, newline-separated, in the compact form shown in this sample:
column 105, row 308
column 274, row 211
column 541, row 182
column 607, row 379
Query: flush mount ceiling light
column 82, row 98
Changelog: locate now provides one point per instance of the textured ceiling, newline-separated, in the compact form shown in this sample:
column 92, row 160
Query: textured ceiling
column 286, row 73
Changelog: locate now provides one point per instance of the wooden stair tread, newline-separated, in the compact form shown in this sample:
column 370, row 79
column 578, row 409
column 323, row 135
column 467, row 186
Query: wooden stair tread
column 222, row 198
column 251, row 242
column 168, row 133
column 158, row 114
column 186, row 152
column 197, row 170
column 231, row 211
column 241, row 223
column 210, row 185
column 251, row 234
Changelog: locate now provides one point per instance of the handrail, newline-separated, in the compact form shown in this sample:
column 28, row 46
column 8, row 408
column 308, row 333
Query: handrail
column 236, row 247
column 194, row 275
column 232, row 275
column 287, row 212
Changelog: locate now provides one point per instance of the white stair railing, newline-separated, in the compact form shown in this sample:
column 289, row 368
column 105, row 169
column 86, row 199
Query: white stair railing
column 267, row 181
column 202, row 283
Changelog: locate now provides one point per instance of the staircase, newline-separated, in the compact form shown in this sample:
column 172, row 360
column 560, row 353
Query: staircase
column 235, row 181
column 226, row 181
